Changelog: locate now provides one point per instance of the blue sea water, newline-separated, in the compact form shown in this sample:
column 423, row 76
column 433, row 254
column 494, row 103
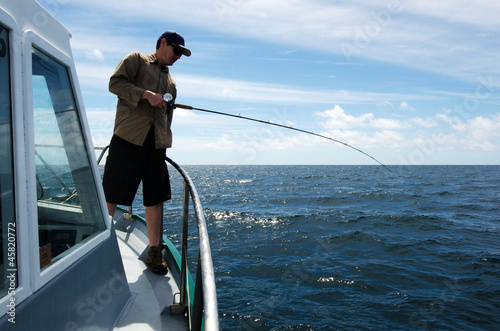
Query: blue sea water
column 351, row 247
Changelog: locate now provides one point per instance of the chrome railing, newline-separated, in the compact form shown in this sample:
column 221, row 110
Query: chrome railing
column 203, row 311
column 205, row 295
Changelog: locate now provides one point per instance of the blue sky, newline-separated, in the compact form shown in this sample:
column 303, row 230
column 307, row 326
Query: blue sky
column 408, row 82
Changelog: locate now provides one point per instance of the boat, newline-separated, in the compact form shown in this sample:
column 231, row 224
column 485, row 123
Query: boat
column 64, row 263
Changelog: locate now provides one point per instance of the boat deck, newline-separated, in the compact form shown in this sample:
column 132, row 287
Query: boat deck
column 151, row 292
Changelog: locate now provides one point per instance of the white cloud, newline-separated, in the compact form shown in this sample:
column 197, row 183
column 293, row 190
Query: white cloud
column 405, row 106
column 454, row 122
column 481, row 132
column 389, row 139
column 478, row 133
column 387, row 123
column 337, row 118
column 426, row 123
column 95, row 55
column 481, row 13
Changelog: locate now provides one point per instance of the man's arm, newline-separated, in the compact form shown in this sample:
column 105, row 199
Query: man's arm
column 122, row 82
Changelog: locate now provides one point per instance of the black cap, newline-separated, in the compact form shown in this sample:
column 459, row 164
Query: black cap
column 173, row 37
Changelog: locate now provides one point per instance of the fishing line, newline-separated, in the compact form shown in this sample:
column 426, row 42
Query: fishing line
column 169, row 100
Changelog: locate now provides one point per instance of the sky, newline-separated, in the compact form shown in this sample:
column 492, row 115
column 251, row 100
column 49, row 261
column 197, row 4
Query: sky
column 407, row 82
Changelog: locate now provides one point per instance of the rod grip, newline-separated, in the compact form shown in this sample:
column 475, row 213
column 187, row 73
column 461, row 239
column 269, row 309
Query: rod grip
column 178, row 105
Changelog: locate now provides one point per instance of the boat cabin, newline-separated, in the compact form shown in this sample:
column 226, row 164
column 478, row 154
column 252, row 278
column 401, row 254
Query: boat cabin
column 58, row 255
column 61, row 266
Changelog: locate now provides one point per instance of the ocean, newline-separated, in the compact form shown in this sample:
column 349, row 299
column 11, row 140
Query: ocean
column 350, row 247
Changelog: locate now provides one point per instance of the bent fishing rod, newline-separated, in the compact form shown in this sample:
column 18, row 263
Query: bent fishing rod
column 168, row 99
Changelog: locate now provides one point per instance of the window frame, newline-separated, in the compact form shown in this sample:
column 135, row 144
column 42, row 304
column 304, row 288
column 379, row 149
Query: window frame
column 40, row 278
column 20, row 200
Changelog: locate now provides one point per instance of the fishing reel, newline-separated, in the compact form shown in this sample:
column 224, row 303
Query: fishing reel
column 169, row 99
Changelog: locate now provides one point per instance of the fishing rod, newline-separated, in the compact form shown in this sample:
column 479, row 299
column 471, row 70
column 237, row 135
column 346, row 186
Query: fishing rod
column 168, row 98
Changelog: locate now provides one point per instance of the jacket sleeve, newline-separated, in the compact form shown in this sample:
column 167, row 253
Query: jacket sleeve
column 122, row 82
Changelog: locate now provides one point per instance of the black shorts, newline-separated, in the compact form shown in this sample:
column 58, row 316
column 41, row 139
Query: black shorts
column 127, row 164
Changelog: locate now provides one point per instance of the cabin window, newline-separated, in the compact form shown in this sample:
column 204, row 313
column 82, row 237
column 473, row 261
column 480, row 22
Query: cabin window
column 69, row 210
column 8, row 248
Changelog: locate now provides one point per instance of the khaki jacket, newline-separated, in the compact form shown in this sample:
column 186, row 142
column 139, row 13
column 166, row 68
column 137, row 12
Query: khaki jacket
column 135, row 74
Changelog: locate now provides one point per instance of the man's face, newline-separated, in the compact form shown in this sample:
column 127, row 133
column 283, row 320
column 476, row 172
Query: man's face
column 167, row 54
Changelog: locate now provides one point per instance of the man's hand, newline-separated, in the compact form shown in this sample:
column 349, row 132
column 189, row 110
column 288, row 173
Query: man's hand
column 154, row 99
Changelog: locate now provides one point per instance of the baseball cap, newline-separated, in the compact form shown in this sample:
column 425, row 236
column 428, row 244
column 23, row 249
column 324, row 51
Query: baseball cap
column 176, row 39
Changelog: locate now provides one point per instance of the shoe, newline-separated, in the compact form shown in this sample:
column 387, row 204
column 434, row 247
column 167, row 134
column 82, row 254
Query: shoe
column 155, row 261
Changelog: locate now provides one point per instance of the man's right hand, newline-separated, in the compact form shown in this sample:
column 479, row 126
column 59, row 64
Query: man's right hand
column 154, row 99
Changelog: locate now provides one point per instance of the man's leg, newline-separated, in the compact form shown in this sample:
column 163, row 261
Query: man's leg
column 153, row 223
column 111, row 208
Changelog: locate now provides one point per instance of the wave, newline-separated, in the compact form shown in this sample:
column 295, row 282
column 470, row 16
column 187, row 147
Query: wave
column 239, row 181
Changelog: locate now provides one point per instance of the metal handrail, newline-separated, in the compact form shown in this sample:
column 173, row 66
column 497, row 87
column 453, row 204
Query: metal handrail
column 205, row 301
column 205, row 295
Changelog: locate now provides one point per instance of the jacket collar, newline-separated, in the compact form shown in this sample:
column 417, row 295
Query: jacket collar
column 153, row 59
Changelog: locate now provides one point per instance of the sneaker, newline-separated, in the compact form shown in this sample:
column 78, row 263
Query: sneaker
column 155, row 261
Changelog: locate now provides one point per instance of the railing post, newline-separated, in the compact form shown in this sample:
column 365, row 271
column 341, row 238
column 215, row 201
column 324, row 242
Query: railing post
column 198, row 298
column 185, row 216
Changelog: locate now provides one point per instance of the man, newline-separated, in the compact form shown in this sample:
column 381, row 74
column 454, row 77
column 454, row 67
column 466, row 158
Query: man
column 142, row 134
